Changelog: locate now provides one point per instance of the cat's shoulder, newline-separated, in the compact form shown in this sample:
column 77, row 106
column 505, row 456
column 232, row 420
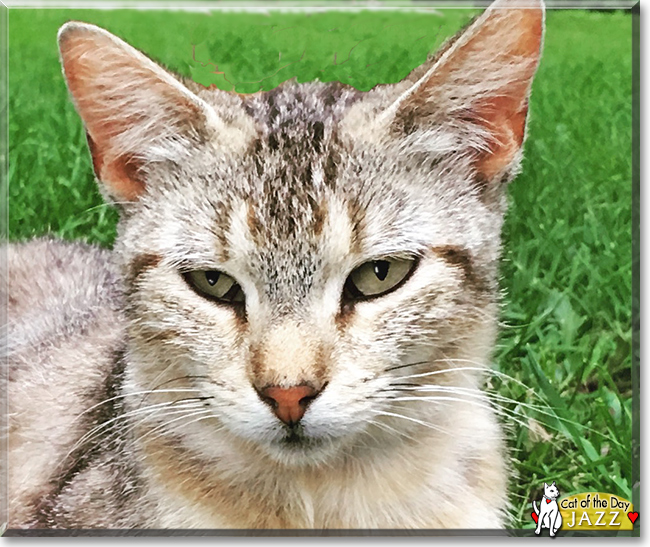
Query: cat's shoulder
column 64, row 329
column 55, row 290
column 45, row 271
column 57, row 255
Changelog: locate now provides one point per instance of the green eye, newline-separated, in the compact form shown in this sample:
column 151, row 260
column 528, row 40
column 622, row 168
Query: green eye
column 216, row 285
column 378, row 277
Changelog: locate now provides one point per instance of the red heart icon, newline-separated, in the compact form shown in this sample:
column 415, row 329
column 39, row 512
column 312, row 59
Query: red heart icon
column 535, row 517
column 633, row 516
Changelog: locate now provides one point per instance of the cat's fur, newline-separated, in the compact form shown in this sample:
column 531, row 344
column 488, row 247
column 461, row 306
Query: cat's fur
column 286, row 191
column 548, row 513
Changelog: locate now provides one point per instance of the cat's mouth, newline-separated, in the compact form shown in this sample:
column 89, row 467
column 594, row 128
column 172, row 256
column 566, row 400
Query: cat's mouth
column 296, row 447
column 296, row 439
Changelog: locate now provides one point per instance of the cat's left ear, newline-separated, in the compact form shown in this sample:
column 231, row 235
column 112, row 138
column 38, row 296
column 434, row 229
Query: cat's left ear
column 473, row 97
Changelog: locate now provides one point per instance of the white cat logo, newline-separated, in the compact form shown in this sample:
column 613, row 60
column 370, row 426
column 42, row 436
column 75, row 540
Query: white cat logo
column 548, row 515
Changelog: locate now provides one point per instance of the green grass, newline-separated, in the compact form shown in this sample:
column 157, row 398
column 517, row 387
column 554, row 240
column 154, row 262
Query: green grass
column 567, row 267
column 567, row 264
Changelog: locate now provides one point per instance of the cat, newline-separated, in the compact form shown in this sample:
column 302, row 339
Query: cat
column 292, row 328
column 549, row 515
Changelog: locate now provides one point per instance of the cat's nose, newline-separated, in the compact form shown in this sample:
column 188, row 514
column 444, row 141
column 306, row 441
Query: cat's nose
column 289, row 403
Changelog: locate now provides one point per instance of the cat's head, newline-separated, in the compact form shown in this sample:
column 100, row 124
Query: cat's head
column 303, row 261
column 551, row 491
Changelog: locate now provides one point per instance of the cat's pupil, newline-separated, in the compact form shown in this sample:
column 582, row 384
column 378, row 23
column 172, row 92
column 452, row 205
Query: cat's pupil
column 212, row 277
column 381, row 268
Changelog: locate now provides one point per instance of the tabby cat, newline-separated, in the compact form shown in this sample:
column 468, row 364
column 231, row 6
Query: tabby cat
column 292, row 327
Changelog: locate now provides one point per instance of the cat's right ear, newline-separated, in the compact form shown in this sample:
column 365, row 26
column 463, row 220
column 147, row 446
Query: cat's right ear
column 135, row 112
column 471, row 99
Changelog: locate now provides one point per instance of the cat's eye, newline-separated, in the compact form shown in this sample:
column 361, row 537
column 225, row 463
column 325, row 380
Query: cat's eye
column 378, row 277
column 216, row 285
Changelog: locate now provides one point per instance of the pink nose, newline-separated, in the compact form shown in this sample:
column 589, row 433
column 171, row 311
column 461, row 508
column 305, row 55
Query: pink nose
column 290, row 403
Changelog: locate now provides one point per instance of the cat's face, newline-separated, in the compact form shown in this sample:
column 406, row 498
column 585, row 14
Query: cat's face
column 551, row 491
column 300, row 233
column 315, row 264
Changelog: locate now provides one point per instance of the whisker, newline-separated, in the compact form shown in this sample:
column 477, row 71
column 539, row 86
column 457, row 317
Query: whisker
column 93, row 432
column 496, row 400
column 389, row 369
column 125, row 395
column 493, row 396
column 420, row 422
column 511, row 414
column 167, row 424
column 191, row 377
column 200, row 418
column 188, row 376
column 460, row 369
column 390, row 429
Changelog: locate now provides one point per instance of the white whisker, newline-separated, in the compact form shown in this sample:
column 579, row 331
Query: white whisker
column 510, row 414
column 99, row 427
column 167, row 424
column 123, row 396
column 420, row 422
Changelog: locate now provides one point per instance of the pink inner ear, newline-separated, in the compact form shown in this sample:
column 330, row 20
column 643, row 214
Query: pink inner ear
column 504, row 114
column 122, row 172
column 506, row 121
column 87, row 58
column 483, row 79
column 129, row 105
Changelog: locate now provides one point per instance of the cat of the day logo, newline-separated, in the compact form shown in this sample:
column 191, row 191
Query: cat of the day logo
column 594, row 511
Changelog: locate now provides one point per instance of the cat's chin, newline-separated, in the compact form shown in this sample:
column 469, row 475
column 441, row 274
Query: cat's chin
column 298, row 450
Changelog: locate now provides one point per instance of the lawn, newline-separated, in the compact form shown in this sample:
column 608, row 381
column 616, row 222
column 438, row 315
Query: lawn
column 563, row 364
